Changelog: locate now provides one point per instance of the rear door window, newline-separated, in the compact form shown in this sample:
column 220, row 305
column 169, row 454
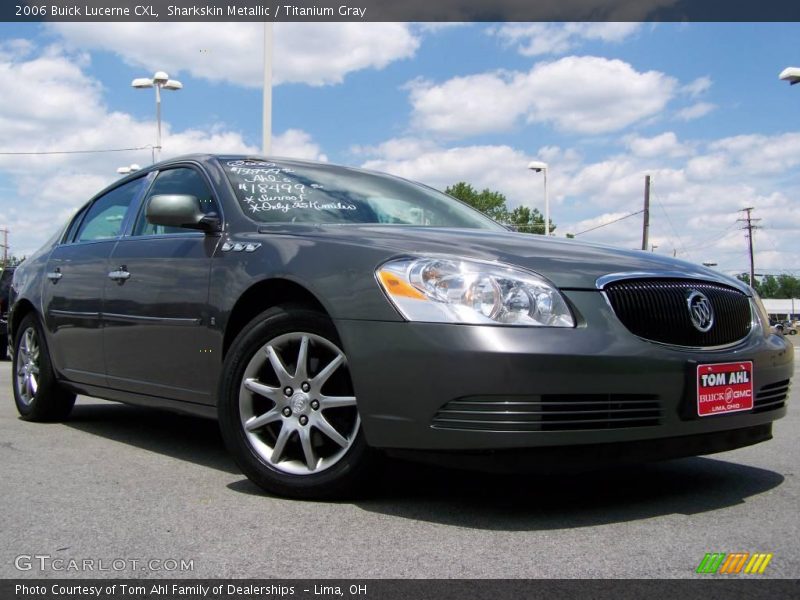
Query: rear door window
column 106, row 215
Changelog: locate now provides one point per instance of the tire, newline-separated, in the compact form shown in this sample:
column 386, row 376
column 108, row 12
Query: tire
column 37, row 393
column 284, row 433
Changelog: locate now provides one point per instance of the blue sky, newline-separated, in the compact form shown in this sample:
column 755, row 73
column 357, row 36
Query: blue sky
column 698, row 106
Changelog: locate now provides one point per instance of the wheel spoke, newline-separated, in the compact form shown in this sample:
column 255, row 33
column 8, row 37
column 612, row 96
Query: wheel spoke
column 324, row 426
column 277, row 365
column 308, row 450
column 270, row 416
column 280, row 444
column 255, row 386
column 29, row 386
column 336, row 401
column 323, row 376
column 302, row 359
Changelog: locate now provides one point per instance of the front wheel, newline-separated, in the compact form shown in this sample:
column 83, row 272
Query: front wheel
column 37, row 393
column 287, row 408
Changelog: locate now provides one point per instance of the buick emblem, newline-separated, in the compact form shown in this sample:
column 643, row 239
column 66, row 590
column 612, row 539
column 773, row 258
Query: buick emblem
column 700, row 311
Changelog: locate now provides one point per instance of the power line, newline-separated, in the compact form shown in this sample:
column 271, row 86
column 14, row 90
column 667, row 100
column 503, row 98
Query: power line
column 671, row 226
column 638, row 212
column 725, row 233
column 45, row 152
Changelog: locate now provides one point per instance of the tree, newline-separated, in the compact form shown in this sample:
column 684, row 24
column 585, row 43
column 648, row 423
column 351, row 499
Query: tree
column 782, row 286
column 788, row 286
column 493, row 204
column 527, row 220
column 13, row 261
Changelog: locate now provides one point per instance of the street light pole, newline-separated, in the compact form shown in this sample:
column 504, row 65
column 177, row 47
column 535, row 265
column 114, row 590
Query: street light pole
column 158, row 122
column 159, row 81
column 537, row 166
column 267, row 106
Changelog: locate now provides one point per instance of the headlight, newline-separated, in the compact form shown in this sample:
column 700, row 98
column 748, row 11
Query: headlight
column 452, row 290
column 762, row 310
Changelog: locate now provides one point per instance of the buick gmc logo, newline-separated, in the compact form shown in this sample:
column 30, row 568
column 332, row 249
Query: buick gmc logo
column 700, row 311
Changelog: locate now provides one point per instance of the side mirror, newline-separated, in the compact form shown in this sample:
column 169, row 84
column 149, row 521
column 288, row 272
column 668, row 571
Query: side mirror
column 180, row 210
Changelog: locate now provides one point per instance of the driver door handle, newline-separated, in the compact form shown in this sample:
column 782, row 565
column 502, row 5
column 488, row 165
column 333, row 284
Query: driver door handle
column 120, row 275
column 54, row 276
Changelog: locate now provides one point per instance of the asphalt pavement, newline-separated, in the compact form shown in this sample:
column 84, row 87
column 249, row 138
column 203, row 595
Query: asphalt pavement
column 131, row 485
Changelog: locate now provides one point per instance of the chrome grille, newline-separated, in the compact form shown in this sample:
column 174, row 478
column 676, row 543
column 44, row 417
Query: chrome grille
column 656, row 309
column 553, row 412
column 771, row 397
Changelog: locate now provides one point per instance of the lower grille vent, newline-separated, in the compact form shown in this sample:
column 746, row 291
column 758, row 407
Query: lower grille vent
column 553, row 412
column 772, row 396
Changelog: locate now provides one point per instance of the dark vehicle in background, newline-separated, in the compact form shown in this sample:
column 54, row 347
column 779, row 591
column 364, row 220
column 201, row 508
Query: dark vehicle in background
column 324, row 313
column 5, row 290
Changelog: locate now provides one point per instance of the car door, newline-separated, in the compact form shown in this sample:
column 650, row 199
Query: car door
column 156, row 305
column 77, row 271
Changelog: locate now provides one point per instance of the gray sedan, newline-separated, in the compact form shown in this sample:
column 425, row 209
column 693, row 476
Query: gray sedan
column 325, row 315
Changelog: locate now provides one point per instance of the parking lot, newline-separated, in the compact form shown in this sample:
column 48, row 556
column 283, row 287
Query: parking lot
column 117, row 482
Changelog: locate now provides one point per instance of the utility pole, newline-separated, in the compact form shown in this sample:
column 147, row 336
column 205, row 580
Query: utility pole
column 4, row 231
column 266, row 108
column 749, row 227
column 646, row 217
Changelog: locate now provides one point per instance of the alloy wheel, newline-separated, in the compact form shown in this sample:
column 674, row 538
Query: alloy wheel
column 28, row 366
column 296, row 404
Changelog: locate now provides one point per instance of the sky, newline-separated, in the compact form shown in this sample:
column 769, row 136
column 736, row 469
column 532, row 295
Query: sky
column 697, row 106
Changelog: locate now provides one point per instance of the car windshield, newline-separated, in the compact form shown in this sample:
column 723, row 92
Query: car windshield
column 291, row 192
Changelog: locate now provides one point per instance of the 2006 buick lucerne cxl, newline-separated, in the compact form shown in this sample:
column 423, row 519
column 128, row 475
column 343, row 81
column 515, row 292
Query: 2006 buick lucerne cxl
column 325, row 314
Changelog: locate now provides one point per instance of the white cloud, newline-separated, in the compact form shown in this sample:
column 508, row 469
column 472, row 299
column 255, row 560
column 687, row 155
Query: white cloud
column 312, row 53
column 695, row 111
column 587, row 95
column 595, row 95
column 296, row 143
column 708, row 167
column 468, row 105
column 662, row 145
column 536, row 39
column 761, row 154
column 697, row 87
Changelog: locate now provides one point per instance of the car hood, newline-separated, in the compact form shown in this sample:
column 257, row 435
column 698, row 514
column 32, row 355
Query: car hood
column 567, row 263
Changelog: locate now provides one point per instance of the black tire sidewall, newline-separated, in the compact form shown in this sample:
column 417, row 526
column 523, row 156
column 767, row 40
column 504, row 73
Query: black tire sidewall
column 339, row 479
column 51, row 401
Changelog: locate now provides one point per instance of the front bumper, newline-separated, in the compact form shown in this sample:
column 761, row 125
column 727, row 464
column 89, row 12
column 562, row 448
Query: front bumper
column 405, row 373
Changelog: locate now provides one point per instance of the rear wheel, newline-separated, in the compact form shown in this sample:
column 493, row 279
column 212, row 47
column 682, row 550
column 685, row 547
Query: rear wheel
column 37, row 393
column 288, row 411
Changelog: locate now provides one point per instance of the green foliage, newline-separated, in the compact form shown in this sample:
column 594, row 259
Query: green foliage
column 13, row 261
column 770, row 286
column 493, row 204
